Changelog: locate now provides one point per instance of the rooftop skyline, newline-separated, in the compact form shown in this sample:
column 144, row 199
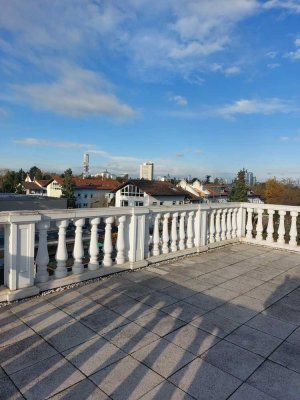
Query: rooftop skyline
column 207, row 86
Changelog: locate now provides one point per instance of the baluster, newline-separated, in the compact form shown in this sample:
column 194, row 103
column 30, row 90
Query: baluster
column 78, row 251
column 174, row 246
column 229, row 224
column 212, row 229
column 156, row 235
column 190, row 231
column 223, row 223
column 259, row 226
column 234, row 223
column 281, row 228
column 249, row 225
column 270, row 228
column 42, row 257
column 61, row 251
column 165, row 247
column 107, row 247
column 94, row 248
column 293, row 230
column 182, row 231
column 218, row 225
column 121, row 241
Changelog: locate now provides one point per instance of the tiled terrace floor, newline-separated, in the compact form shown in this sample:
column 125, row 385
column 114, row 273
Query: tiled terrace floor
column 221, row 325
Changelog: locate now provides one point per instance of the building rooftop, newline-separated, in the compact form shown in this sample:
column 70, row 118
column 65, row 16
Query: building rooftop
column 224, row 324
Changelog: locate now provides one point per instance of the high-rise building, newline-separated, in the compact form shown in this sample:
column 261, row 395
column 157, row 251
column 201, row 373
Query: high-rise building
column 86, row 165
column 146, row 171
column 250, row 178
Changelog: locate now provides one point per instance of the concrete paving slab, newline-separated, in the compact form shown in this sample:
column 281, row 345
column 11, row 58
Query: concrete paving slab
column 7, row 317
column 204, row 381
column 8, row 390
column 276, row 381
column 178, row 292
column 46, row 378
column 247, row 392
column 294, row 337
column 287, row 355
column 168, row 391
column 163, row 357
column 204, row 301
column 271, row 326
column 236, row 313
column 128, row 379
column 104, row 321
column 31, row 307
column 47, row 320
column 215, row 324
column 159, row 323
column 183, row 311
column 93, row 355
column 83, row 390
column 133, row 310
column 192, row 339
column 13, row 333
column 158, row 300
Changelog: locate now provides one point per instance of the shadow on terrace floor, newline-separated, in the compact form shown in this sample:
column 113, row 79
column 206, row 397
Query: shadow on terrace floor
column 221, row 325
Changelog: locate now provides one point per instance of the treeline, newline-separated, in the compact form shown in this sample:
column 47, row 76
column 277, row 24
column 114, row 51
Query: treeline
column 11, row 181
column 274, row 191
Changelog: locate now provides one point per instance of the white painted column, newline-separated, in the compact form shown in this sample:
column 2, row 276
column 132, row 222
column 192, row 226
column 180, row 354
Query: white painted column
column 259, row 226
column 42, row 257
column 156, row 250
column 270, row 228
column 241, row 222
column 218, row 225
column 190, row 231
column 281, row 228
column 249, row 225
column 165, row 235
column 212, row 229
column 229, row 224
column 120, row 259
column 182, row 231
column 61, row 251
column 94, row 248
column 174, row 237
column 234, row 223
column 78, row 251
column 293, row 230
column 224, row 224
column 107, row 247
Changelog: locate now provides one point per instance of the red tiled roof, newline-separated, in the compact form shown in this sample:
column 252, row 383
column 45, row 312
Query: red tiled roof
column 91, row 183
column 31, row 186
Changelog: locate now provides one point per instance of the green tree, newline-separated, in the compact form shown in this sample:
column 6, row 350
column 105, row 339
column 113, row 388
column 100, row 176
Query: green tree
column 35, row 172
column 239, row 189
column 68, row 188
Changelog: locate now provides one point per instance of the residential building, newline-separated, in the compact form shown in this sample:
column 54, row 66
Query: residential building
column 139, row 193
column 105, row 175
column 35, row 186
column 146, row 171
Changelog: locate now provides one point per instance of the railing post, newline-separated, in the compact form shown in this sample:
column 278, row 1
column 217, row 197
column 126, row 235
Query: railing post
column 93, row 248
column 182, row 231
column 234, row 223
column 241, row 221
column 155, row 250
column 42, row 257
column 270, row 228
column 218, row 225
column 293, row 230
column 204, row 227
column 229, row 224
column 174, row 232
column 19, row 246
column 61, row 251
column 197, row 227
column 249, row 225
column 224, row 224
column 281, row 228
column 107, row 247
column 78, row 251
column 212, row 230
column 190, row 231
column 121, row 241
column 259, row 226
column 165, row 235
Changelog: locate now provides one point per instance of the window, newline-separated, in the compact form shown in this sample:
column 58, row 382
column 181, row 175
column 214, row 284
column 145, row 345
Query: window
column 131, row 190
column 91, row 196
column 138, row 203
column 85, row 196
column 154, row 203
column 124, row 203
column 181, row 202
column 161, row 203
column 85, row 204
column 79, row 195
column 174, row 202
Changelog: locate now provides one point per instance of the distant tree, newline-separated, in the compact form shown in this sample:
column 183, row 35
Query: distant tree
column 68, row 188
column 35, row 172
column 239, row 189
column 207, row 178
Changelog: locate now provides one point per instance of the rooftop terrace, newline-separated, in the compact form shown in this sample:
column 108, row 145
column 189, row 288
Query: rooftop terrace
column 223, row 324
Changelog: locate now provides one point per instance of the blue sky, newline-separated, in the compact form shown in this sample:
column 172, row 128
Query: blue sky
column 196, row 86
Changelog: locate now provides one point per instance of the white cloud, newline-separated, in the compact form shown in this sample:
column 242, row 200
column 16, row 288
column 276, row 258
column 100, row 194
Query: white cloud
column 75, row 92
column 284, row 138
column 178, row 100
column 297, row 42
column 234, row 70
column 288, row 5
column 273, row 65
column 50, row 143
column 272, row 54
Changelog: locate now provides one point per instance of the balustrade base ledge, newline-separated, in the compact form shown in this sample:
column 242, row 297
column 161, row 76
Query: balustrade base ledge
column 274, row 245
column 13, row 295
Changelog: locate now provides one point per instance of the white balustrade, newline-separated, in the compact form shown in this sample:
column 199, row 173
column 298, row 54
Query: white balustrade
column 156, row 238
column 229, row 224
column 182, row 231
column 42, row 257
column 94, row 248
column 293, row 230
column 270, row 227
column 259, row 225
column 165, row 235
column 281, row 228
column 190, row 230
column 249, row 225
column 120, row 259
column 174, row 235
column 234, row 223
column 212, row 229
column 107, row 247
column 61, row 252
column 218, row 225
column 78, row 251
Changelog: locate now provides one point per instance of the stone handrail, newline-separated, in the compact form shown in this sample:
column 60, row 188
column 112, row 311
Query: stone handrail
column 144, row 236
